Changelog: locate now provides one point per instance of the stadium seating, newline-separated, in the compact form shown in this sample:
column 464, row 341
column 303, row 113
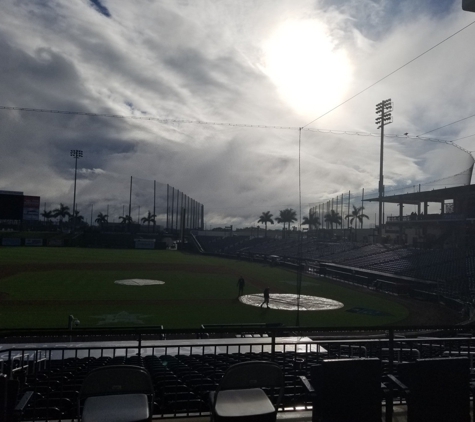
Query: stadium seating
column 183, row 377
column 453, row 269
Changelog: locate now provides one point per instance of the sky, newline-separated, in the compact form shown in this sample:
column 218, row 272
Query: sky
column 174, row 69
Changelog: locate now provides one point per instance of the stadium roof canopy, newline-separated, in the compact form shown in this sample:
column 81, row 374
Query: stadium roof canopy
column 438, row 195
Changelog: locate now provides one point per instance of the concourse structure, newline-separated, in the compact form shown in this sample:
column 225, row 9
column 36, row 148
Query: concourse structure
column 444, row 217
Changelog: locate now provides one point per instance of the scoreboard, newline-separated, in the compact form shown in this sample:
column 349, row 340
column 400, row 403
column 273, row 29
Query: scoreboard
column 16, row 206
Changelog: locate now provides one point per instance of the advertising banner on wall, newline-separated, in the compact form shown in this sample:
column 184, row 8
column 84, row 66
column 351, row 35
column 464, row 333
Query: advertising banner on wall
column 11, row 241
column 144, row 243
column 55, row 242
column 33, row 242
column 31, row 208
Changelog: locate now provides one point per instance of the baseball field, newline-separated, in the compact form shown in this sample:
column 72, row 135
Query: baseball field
column 41, row 287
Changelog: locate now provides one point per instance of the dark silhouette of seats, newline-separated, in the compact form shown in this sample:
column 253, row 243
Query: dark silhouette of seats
column 348, row 390
column 436, row 390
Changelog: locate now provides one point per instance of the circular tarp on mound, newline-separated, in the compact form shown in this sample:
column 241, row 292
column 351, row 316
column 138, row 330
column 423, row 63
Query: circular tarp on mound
column 288, row 302
column 138, row 282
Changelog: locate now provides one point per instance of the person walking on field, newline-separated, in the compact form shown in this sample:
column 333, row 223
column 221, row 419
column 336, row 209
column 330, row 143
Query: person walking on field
column 266, row 297
column 240, row 284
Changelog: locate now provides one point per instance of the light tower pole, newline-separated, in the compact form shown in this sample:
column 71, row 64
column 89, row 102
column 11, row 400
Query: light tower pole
column 76, row 153
column 383, row 111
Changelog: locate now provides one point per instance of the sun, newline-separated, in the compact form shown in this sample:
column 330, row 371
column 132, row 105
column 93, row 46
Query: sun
column 309, row 72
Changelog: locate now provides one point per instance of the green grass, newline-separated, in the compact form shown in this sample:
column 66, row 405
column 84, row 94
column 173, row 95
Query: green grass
column 188, row 298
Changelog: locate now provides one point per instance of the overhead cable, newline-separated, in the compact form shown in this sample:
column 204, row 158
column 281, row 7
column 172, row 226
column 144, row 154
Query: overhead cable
column 243, row 125
column 449, row 124
column 151, row 118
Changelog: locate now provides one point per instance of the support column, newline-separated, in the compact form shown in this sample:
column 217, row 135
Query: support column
column 401, row 217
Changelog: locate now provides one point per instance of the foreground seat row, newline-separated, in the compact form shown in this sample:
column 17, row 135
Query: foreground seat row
column 343, row 390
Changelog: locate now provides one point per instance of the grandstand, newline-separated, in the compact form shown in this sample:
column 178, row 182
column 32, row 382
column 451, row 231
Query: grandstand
column 450, row 269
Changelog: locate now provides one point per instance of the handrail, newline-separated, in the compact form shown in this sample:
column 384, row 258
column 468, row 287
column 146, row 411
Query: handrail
column 276, row 328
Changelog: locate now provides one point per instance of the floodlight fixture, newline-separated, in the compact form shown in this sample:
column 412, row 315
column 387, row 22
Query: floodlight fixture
column 76, row 153
column 384, row 109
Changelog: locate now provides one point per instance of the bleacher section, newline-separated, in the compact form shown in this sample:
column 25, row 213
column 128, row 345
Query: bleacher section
column 452, row 269
column 228, row 245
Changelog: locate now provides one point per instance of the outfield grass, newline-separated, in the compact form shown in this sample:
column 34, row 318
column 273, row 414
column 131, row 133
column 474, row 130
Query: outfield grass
column 48, row 284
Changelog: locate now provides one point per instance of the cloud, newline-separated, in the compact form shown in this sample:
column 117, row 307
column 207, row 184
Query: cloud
column 100, row 8
column 206, row 61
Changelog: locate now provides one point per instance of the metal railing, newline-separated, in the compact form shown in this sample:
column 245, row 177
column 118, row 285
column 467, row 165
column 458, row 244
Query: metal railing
column 196, row 359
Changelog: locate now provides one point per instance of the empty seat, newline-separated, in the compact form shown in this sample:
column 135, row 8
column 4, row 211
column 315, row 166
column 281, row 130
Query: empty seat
column 117, row 393
column 240, row 395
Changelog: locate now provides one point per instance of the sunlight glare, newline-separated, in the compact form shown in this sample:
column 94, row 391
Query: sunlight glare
column 310, row 73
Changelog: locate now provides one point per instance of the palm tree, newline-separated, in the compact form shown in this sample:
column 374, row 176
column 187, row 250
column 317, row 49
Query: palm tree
column 361, row 215
column 126, row 219
column 279, row 220
column 266, row 217
column 77, row 218
column 61, row 213
column 313, row 220
column 287, row 216
column 102, row 219
column 332, row 218
column 47, row 215
column 150, row 218
column 291, row 216
column 356, row 216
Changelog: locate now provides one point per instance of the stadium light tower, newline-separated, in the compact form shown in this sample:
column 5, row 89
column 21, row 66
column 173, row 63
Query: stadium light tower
column 383, row 110
column 76, row 153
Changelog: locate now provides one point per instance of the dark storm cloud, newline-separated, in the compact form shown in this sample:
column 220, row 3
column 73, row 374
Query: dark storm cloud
column 195, row 68
column 103, row 10
column 54, row 78
column 98, row 148
column 44, row 74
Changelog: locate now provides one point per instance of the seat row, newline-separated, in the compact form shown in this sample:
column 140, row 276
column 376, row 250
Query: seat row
column 182, row 383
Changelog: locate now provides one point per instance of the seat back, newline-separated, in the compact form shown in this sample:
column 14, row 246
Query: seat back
column 9, row 392
column 439, row 389
column 347, row 390
column 116, row 379
column 253, row 374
